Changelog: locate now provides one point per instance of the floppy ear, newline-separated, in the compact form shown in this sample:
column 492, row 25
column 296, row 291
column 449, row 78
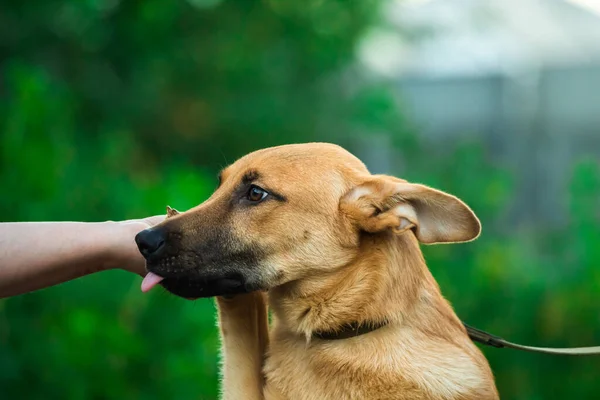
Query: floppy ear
column 384, row 202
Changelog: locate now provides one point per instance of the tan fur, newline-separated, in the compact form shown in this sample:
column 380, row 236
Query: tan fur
column 171, row 212
column 344, row 247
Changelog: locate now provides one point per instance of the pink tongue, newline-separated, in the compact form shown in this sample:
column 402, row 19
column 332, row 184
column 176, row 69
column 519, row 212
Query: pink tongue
column 150, row 280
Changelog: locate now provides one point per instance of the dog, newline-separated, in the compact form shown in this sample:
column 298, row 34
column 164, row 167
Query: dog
column 333, row 251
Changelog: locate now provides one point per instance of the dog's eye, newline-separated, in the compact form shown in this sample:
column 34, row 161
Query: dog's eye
column 256, row 194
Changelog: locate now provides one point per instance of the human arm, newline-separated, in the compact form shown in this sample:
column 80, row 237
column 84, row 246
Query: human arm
column 35, row 255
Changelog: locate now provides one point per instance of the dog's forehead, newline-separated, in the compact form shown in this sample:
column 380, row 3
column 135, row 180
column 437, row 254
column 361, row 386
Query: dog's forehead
column 316, row 160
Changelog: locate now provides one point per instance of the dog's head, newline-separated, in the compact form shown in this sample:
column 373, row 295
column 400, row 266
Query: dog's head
column 287, row 212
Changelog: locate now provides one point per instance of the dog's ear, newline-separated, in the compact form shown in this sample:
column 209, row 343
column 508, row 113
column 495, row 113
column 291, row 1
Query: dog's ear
column 171, row 212
column 384, row 202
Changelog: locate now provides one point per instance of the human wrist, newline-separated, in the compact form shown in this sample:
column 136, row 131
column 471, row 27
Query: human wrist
column 110, row 232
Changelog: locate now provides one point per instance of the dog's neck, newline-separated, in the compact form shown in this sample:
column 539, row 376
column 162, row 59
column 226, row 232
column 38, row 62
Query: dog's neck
column 388, row 281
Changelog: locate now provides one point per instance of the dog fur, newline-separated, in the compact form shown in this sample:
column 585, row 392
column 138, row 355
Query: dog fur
column 331, row 244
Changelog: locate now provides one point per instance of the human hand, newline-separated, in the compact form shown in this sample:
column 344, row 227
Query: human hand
column 124, row 252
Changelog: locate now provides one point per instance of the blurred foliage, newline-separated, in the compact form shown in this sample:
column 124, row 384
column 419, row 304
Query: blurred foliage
column 111, row 110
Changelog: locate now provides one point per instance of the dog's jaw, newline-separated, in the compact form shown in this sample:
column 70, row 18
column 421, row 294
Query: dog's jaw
column 192, row 286
column 195, row 289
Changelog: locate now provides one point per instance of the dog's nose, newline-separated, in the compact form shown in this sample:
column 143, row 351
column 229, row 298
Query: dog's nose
column 150, row 241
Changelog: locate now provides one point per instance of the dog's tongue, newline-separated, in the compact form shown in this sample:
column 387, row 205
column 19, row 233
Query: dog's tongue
column 150, row 280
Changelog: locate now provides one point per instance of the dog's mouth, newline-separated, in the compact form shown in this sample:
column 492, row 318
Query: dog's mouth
column 197, row 287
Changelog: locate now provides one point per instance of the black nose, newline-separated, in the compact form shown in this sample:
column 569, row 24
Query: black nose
column 150, row 241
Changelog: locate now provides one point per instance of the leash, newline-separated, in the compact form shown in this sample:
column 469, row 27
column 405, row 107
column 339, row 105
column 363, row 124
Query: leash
column 354, row 329
column 477, row 335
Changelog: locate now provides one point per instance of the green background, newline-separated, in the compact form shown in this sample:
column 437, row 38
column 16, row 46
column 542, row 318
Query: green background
column 112, row 110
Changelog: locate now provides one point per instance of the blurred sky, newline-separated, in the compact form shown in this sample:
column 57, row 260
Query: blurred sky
column 467, row 37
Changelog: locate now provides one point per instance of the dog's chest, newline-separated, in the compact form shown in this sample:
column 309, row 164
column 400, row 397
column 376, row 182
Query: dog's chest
column 368, row 369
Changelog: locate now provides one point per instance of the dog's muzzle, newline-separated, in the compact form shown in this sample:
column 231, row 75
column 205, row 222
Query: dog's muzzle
column 185, row 277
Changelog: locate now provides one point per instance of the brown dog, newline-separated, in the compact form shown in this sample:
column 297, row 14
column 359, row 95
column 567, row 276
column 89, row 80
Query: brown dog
column 356, row 312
